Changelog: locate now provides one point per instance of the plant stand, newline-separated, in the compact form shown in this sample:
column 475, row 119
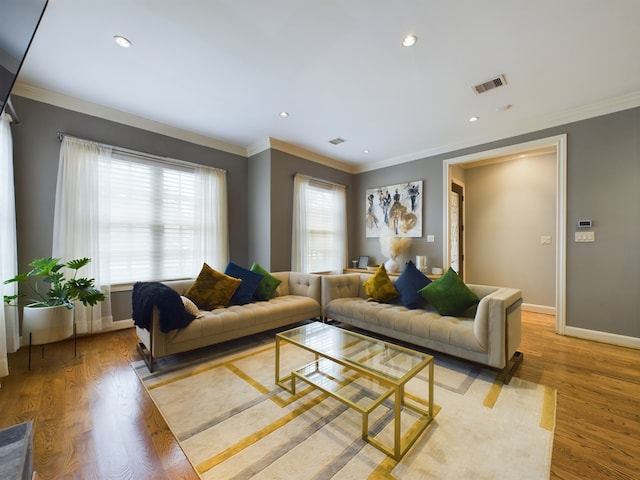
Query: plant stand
column 75, row 345
column 48, row 325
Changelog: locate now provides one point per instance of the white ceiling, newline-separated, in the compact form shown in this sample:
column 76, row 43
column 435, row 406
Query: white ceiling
column 225, row 69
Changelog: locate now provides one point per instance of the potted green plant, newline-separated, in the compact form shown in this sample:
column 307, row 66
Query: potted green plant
column 48, row 315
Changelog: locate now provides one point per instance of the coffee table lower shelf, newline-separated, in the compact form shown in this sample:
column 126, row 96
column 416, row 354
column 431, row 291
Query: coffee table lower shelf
column 345, row 385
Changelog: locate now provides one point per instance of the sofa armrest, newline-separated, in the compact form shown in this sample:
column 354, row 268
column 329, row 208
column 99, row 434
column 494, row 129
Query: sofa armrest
column 497, row 324
column 305, row 285
column 339, row 286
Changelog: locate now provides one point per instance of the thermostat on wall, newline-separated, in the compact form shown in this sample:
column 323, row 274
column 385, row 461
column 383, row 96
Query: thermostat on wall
column 584, row 223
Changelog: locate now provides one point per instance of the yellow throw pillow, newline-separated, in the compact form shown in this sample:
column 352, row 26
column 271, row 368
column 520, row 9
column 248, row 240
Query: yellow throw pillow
column 379, row 287
column 212, row 289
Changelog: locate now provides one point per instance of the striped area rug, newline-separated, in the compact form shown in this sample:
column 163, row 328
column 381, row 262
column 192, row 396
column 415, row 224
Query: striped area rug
column 233, row 422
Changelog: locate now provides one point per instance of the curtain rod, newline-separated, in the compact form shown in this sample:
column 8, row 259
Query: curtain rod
column 12, row 112
column 321, row 180
column 139, row 154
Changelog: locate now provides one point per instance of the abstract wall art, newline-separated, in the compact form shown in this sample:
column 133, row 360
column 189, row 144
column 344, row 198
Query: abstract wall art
column 396, row 209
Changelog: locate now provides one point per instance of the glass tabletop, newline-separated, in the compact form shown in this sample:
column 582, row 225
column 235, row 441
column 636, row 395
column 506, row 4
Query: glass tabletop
column 382, row 358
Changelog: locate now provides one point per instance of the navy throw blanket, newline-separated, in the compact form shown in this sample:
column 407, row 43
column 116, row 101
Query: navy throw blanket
column 146, row 295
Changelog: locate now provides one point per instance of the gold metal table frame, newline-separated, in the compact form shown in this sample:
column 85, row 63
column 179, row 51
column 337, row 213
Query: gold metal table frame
column 337, row 351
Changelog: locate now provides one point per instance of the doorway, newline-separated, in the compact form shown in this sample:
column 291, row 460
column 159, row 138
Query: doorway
column 558, row 144
column 456, row 222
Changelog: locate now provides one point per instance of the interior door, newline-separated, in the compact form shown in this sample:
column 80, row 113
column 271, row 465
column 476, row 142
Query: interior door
column 456, row 235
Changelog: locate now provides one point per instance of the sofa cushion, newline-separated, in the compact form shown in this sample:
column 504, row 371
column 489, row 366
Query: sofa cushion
column 212, row 289
column 449, row 295
column 408, row 283
column 268, row 284
column 250, row 282
column 379, row 287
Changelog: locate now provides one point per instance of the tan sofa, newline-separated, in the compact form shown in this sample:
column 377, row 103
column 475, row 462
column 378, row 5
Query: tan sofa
column 487, row 334
column 296, row 299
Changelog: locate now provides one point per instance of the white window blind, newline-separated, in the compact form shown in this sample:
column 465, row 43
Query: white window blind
column 319, row 226
column 153, row 212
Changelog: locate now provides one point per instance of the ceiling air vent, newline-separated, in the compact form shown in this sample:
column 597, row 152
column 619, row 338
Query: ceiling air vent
column 496, row 82
column 337, row 141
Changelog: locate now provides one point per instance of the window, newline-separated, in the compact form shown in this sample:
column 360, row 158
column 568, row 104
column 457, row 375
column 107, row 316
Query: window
column 151, row 225
column 319, row 226
column 139, row 217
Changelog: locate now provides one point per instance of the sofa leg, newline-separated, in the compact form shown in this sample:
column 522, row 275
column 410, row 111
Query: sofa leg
column 146, row 356
column 512, row 365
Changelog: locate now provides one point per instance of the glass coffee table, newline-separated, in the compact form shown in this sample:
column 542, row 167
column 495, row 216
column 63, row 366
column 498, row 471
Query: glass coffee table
column 362, row 372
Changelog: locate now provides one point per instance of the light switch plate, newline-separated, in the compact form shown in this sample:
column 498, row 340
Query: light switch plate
column 431, row 238
column 585, row 237
column 545, row 239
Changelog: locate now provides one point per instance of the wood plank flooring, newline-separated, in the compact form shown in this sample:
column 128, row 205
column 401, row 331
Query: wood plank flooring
column 94, row 420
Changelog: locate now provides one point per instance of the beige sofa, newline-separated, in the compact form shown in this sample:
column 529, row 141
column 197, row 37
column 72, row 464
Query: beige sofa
column 487, row 334
column 296, row 299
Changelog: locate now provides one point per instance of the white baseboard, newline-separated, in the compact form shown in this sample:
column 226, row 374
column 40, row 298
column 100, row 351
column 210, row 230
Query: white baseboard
column 604, row 337
column 530, row 307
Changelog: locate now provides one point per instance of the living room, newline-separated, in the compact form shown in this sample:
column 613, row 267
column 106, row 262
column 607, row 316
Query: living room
column 600, row 171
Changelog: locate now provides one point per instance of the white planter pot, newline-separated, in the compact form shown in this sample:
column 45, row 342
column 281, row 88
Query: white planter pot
column 47, row 324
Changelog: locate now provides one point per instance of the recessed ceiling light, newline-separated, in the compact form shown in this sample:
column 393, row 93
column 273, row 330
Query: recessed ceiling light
column 284, row 114
column 365, row 151
column 409, row 41
column 474, row 119
column 122, row 41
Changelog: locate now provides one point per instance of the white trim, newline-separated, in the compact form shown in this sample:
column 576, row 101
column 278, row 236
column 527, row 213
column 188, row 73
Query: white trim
column 301, row 152
column 605, row 107
column 604, row 337
column 531, row 307
column 559, row 142
column 89, row 108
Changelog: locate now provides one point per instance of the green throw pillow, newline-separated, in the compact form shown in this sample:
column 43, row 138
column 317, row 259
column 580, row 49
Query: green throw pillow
column 212, row 289
column 379, row 287
column 449, row 295
column 268, row 284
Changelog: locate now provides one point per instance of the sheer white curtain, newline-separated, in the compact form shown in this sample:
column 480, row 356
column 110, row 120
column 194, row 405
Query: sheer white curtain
column 319, row 233
column 211, row 236
column 81, row 207
column 9, row 332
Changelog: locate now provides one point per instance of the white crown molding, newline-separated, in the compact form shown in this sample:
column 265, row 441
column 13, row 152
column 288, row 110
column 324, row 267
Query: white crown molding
column 82, row 106
column 606, row 107
column 71, row 103
column 309, row 155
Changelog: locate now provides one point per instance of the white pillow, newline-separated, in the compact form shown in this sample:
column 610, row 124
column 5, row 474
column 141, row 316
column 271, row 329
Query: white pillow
column 190, row 307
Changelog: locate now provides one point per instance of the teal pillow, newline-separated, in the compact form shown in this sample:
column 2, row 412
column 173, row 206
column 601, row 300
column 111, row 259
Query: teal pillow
column 449, row 295
column 268, row 284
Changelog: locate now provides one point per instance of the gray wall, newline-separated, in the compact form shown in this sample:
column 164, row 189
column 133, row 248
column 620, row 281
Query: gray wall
column 509, row 206
column 430, row 172
column 260, row 209
column 284, row 166
column 603, row 177
column 603, row 184
column 36, row 153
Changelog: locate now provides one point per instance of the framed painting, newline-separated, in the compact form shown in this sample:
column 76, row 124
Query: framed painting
column 395, row 209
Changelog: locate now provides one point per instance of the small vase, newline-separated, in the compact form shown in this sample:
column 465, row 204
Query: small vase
column 391, row 265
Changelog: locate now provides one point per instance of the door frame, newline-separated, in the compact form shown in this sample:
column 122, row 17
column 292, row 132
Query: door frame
column 462, row 250
column 559, row 142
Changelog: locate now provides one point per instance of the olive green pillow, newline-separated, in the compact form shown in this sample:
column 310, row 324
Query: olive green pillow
column 268, row 284
column 379, row 287
column 449, row 295
column 212, row 289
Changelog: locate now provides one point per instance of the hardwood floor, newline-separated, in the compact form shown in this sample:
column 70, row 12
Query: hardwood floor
column 93, row 419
